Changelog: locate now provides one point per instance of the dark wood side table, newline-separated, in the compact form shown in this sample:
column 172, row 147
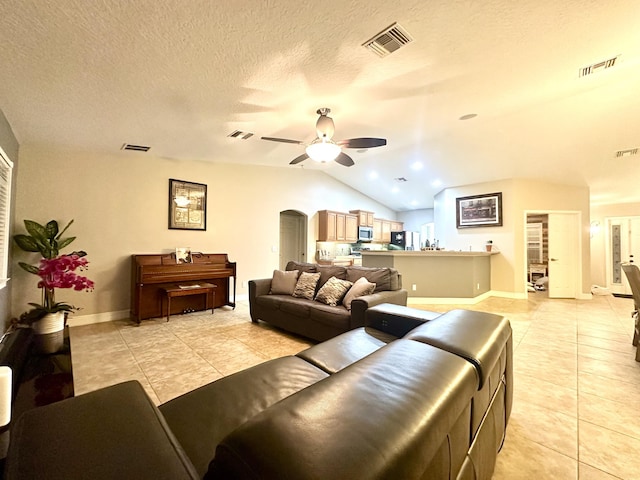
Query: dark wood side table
column 47, row 376
column 42, row 373
column 184, row 290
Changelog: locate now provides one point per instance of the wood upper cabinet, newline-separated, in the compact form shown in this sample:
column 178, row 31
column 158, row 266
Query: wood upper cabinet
column 382, row 229
column 365, row 218
column 397, row 226
column 386, row 231
column 326, row 226
column 377, row 230
column 337, row 227
column 351, row 228
column 341, row 227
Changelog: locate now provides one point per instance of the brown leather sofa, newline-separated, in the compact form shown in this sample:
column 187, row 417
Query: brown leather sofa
column 413, row 395
column 314, row 319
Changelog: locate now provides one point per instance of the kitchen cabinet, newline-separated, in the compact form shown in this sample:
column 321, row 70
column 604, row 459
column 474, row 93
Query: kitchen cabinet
column 386, row 231
column 351, row 228
column 327, row 226
column 377, row 230
column 365, row 218
column 337, row 227
column 382, row 229
column 341, row 227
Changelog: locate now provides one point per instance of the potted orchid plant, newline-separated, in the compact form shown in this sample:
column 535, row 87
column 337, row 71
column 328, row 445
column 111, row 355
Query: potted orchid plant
column 55, row 271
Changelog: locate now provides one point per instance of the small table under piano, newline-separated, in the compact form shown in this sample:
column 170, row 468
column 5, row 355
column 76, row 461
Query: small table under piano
column 173, row 291
column 152, row 275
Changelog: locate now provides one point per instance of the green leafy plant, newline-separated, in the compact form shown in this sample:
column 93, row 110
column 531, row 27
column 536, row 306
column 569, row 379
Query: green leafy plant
column 55, row 270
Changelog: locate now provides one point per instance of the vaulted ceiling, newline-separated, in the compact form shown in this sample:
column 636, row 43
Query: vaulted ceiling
column 181, row 76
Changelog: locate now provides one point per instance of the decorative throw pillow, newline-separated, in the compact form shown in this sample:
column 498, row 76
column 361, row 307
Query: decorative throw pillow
column 332, row 291
column 283, row 283
column 306, row 286
column 360, row 288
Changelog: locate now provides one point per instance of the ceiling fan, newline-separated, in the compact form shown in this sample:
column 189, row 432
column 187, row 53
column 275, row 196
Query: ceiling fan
column 323, row 149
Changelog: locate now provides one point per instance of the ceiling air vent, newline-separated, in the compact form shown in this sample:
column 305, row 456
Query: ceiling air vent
column 388, row 41
column 135, row 148
column 597, row 67
column 626, row 153
column 400, row 179
column 240, row 134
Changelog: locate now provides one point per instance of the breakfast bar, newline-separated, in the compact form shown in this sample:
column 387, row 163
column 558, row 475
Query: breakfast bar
column 437, row 274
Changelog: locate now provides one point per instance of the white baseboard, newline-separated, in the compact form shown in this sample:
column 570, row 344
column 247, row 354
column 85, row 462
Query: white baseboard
column 465, row 301
column 77, row 321
column 447, row 301
column 512, row 295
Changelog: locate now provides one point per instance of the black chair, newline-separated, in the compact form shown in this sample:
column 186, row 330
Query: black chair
column 633, row 276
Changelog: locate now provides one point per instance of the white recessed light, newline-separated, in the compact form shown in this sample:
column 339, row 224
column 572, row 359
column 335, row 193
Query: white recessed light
column 417, row 166
column 373, row 175
column 395, row 190
column 414, row 203
column 436, row 183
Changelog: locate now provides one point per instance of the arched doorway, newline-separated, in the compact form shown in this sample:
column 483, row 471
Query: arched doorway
column 293, row 237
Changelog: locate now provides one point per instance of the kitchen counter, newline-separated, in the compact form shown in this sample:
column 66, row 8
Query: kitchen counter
column 445, row 275
column 342, row 260
column 420, row 253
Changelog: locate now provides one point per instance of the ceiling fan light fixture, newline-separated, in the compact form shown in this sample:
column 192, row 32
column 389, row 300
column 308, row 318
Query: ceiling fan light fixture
column 323, row 150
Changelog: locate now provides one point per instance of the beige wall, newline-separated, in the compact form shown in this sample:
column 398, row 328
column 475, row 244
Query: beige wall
column 414, row 219
column 508, row 270
column 119, row 204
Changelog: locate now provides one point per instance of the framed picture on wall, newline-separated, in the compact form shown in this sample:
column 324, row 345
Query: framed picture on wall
column 479, row 211
column 187, row 205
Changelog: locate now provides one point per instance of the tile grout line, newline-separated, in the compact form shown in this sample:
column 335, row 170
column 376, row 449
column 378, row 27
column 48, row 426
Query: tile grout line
column 138, row 363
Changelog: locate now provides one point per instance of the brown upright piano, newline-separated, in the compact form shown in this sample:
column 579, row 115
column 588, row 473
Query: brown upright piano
column 151, row 273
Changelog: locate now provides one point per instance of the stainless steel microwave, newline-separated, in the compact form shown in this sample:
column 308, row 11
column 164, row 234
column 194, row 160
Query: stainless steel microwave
column 365, row 234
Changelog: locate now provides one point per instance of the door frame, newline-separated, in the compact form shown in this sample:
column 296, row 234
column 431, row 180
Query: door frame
column 578, row 252
column 621, row 288
column 300, row 236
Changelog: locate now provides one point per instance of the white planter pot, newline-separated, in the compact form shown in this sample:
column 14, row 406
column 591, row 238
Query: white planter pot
column 50, row 323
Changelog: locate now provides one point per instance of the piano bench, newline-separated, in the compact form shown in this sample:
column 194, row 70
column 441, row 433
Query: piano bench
column 185, row 290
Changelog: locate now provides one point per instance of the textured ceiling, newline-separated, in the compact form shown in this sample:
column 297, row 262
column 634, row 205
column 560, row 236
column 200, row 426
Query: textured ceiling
column 180, row 76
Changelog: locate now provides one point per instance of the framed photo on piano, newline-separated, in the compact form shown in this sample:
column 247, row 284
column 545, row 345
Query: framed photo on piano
column 187, row 205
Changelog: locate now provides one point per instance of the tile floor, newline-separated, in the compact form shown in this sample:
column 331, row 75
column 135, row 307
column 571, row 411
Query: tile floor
column 576, row 388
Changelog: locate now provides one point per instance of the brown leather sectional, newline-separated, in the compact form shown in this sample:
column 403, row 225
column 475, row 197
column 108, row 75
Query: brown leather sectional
column 413, row 395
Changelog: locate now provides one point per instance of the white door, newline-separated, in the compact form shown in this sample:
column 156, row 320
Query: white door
column 623, row 245
column 564, row 255
column 292, row 237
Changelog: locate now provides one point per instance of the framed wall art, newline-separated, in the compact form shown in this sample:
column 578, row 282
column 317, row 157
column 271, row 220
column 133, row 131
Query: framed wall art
column 479, row 211
column 187, row 205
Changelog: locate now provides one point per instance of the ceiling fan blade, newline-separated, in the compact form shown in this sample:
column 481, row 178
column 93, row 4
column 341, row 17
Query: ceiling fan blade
column 344, row 159
column 299, row 159
column 282, row 140
column 364, row 142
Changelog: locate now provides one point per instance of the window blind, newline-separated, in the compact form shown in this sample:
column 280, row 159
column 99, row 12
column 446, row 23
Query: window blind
column 6, row 170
